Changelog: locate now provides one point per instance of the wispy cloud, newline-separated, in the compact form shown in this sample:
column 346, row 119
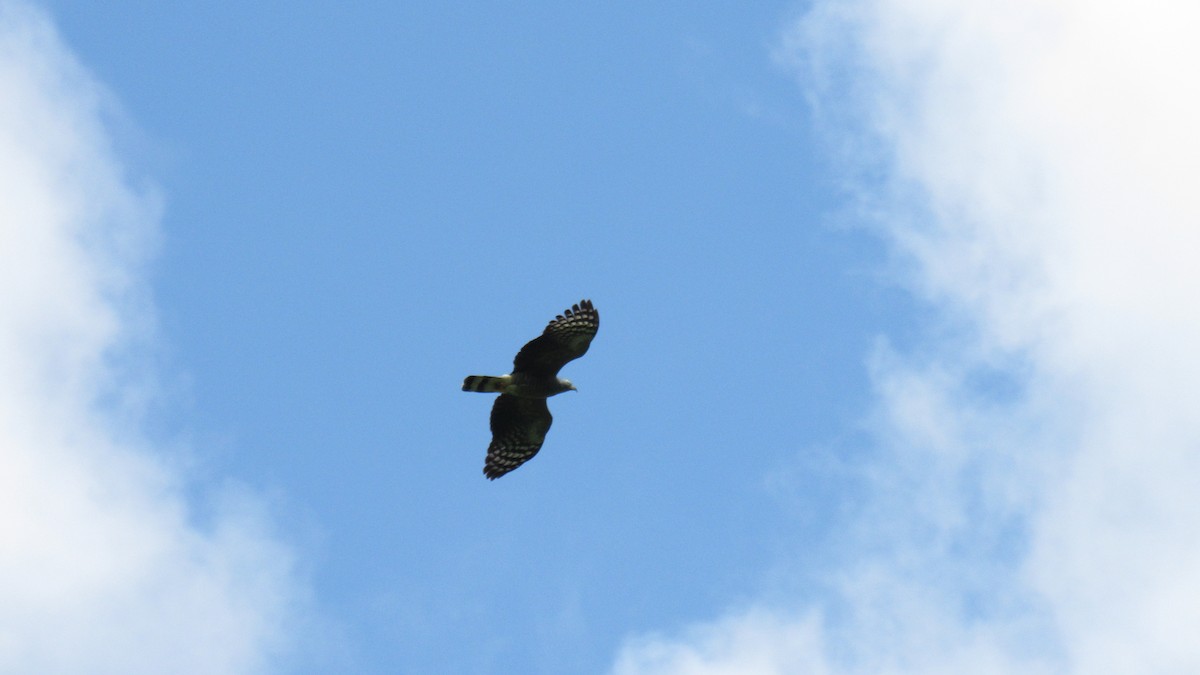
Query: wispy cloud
column 1033, row 503
column 103, row 567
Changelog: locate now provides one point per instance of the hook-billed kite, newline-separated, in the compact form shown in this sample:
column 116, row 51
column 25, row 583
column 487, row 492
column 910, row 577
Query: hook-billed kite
column 520, row 418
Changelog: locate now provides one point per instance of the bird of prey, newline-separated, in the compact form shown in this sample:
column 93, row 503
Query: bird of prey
column 520, row 418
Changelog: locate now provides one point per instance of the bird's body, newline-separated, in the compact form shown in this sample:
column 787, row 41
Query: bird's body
column 518, row 384
column 520, row 418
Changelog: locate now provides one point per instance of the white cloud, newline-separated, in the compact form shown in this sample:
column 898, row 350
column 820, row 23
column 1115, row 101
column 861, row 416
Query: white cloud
column 103, row 568
column 1042, row 163
column 756, row 643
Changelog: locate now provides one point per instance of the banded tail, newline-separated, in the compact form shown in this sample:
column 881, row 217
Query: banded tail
column 486, row 383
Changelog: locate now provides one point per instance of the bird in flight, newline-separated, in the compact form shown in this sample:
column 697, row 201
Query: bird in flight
column 520, row 418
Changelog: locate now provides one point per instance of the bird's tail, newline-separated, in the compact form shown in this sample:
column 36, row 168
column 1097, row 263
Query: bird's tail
column 486, row 383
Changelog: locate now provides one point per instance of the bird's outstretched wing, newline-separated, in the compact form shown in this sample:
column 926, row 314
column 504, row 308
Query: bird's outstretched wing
column 566, row 338
column 519, row 427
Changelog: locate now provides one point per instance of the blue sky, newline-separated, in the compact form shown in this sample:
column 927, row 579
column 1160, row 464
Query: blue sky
column 364, row 205
column 860, row 308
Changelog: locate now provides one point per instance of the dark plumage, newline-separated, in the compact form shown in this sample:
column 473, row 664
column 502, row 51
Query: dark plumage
column 520, row 417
